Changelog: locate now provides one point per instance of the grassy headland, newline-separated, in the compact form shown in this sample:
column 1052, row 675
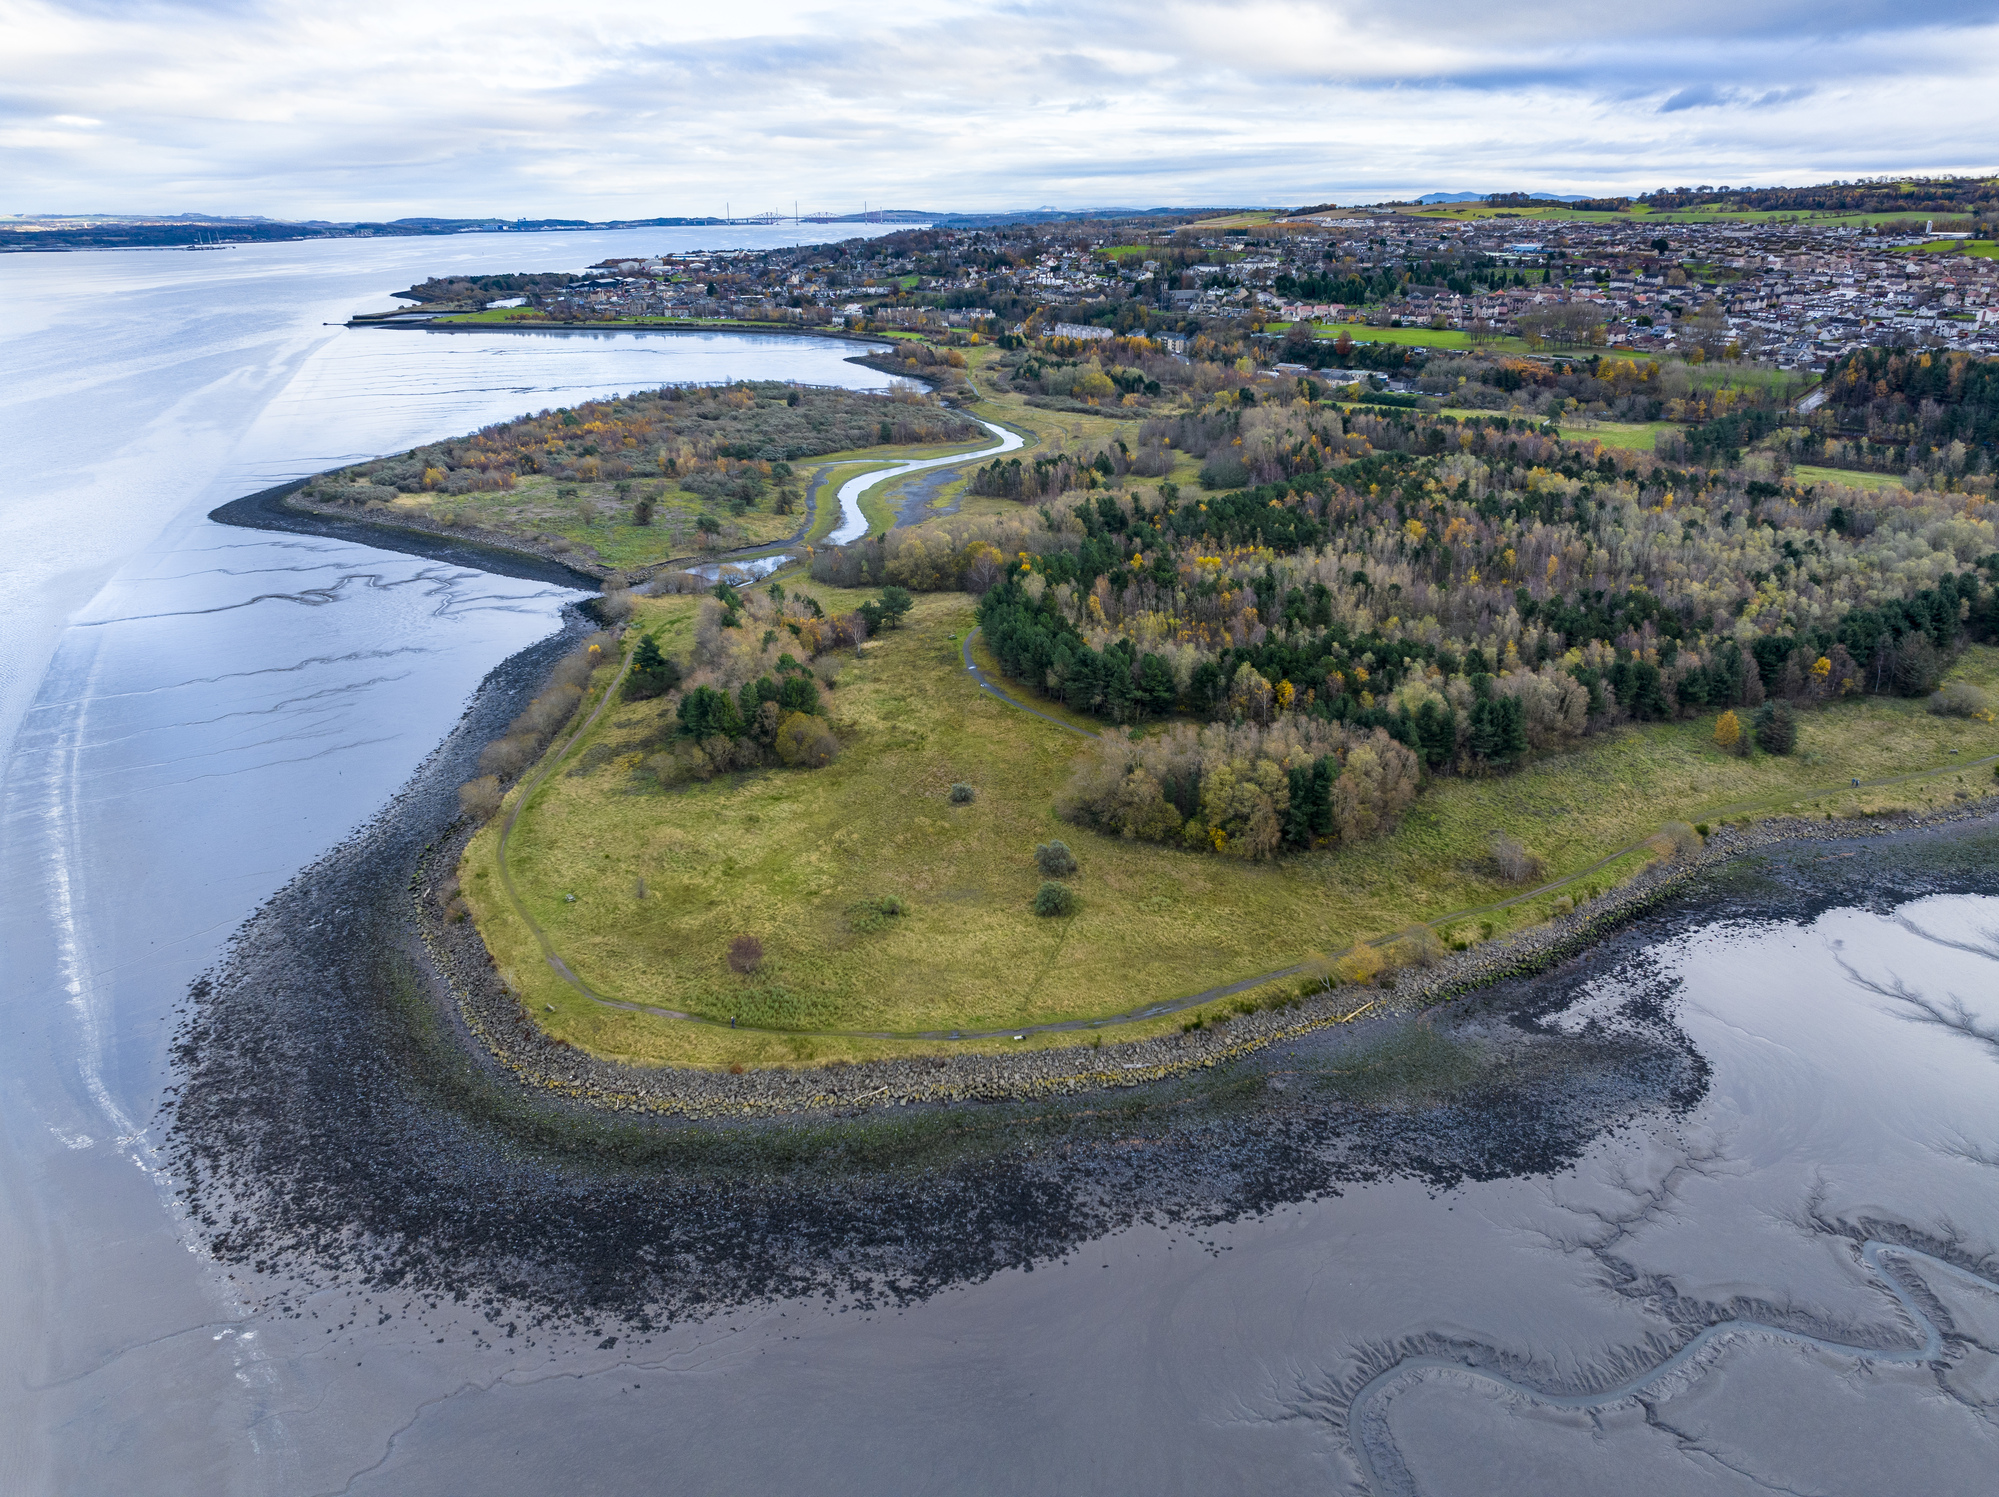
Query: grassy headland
column 802, row 858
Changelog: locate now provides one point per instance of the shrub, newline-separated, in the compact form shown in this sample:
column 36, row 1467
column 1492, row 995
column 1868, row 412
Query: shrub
column 1702, row 828
column 1776, row 728
column 1316, row 976
column 963, row 794
column 1360, row 963
column 746, row 954
column 873, row 914
column 805, row 741
column 1055, row 859
column 506, row 757
column 1674, row 840
column 1685, row 839
column 1961, row 699
column 1418, row 946
column 550, row 710
column 574, row 669
column 1515, row 863
column 479, row 798
column 1054, row 899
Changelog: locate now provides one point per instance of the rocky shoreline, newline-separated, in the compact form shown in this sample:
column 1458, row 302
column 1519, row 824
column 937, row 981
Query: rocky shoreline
column 358, row 1100
column 550, row 1067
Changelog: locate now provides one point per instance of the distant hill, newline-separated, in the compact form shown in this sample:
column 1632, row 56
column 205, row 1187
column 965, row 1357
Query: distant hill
column 171, row 231
column 1480, row 197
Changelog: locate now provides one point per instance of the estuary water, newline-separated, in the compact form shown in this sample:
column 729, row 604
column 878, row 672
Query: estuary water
column 1715, row 1209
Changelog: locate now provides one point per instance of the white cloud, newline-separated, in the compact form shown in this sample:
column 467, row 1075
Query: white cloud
column 597, row 110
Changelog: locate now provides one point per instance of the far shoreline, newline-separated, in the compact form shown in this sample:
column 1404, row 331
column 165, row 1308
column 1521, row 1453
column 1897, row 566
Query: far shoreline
column 416, row 318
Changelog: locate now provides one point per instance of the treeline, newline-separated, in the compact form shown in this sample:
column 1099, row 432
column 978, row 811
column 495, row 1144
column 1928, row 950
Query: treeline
column 1972, row 196
column 1505, row 594
column 1351, row 290
column 1907, row 395
column 1255, row 647
column 480, row 289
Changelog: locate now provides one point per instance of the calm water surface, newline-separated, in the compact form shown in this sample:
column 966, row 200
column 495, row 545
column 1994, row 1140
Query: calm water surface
column 1789, row 1284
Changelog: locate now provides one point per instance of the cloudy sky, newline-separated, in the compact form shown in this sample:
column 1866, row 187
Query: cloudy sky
column 584, row 109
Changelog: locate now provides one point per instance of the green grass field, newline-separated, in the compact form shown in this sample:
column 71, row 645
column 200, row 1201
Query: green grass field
column 1983, row 249
column 1630, row 436
column 1452, row 340
column 1846, row 477
column 793, row 855
column 1417, row 337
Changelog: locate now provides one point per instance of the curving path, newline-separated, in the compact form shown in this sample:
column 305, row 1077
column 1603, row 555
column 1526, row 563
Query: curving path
column 853, row 524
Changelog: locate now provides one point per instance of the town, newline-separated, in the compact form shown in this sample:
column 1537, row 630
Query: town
column 1791, row 291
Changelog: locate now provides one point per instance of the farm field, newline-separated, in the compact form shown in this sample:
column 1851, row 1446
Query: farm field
column 1416, row 337
column 1629, row 436
column 1845, row 477
column 1983, row 249
column 797, row 858
column 1453, row 340
column 1250, row 219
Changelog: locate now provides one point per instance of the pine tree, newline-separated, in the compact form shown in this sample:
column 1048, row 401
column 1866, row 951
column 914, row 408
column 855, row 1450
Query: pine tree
column 652, row 674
